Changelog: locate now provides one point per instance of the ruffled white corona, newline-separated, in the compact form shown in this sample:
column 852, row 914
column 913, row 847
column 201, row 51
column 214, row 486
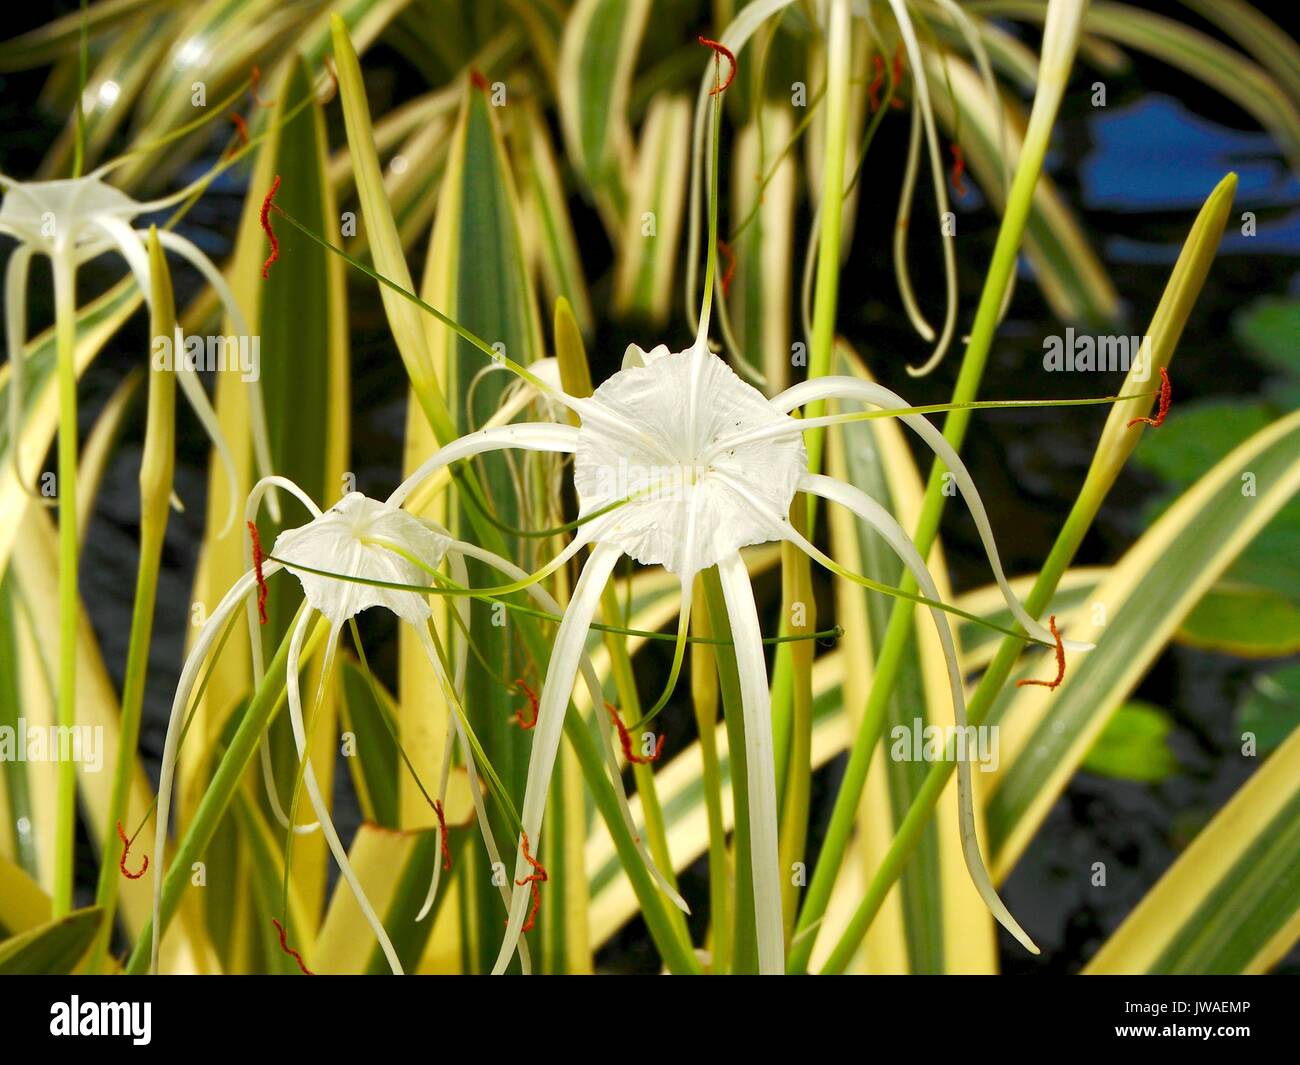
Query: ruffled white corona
column 690, row 502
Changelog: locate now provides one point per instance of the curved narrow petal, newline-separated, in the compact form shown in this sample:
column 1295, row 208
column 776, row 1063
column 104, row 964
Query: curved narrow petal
column 16, row 341
column 569, row 641
column 467, row 751
column 939, row 179
column 760, row 769
column 528, row 436
column 902, row 226
column 461, row 576
column 875, row 515
column 202, row 407
column 189, row 251
column 547, row 602
column 125, row 240
column 879, row 396
column 175, row 722
column 251, row 507
column 444, row 777
column 252, row 504
column 273, row 792
column 313, row 789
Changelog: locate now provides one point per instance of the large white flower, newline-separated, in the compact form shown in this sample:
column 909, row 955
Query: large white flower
column 348, row 559
column 678, row 462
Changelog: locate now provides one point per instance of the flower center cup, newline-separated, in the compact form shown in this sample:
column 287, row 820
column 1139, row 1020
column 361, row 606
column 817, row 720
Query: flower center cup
column 704, row 463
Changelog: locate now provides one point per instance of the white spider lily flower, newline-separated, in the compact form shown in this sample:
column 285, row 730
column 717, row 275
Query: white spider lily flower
column 74, row 220
column 678, row 462
column 346, row 559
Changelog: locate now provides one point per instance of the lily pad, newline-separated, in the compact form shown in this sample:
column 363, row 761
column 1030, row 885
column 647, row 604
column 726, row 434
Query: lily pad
column 1134, row 746
column 1270, row 328
column 1248, row 620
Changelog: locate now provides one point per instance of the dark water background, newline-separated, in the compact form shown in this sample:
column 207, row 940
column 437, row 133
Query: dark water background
column 1135, row 171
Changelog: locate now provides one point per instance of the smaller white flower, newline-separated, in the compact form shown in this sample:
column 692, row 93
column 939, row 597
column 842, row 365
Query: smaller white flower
column 79, row 213
column 334, row 556
column 349, row 539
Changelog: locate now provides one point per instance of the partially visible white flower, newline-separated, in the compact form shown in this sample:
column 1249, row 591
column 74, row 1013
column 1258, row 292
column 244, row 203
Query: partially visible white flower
column 74, row 220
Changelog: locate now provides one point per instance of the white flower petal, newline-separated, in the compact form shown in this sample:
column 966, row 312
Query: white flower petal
column 313, row 789
column 554, row 702
column 884, row 523
column 592, row 681
column 212, row 628
column 760, row 764
column 878, row 396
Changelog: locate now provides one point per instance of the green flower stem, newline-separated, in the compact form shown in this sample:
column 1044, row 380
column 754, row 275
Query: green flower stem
column 826, row 298
column 744, row 930
column 1010, row 235
column 655, row 909
column 822, row 341
column 156, row 470
column 65, row 324
column 704, row 698
column 796, row 579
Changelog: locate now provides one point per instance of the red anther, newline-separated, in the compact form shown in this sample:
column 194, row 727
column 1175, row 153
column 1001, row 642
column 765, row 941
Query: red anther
column 535, row 879
column 1052, row 685
column 284, row 946
column 531, row 695
column 266, row 227
column 241, row 127
column 721, row 50
column 478, row 79
column 877, row 65
column 254, row 80
column 958, row 168
column 442, row 835
column 625, row 740
column 898, row 71
column 1166, row 394
column 258, row 559
column 121, row 862
column 730, row 271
